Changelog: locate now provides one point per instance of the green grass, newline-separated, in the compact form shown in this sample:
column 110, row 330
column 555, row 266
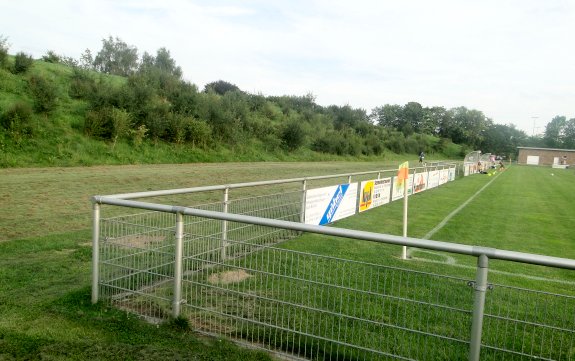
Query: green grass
column 45, row 310
column 45, row 219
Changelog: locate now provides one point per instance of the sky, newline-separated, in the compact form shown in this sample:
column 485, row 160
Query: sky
column 514, row 60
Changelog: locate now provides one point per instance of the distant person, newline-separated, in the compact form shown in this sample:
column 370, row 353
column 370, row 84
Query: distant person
column 501, row 166
column 421, row 157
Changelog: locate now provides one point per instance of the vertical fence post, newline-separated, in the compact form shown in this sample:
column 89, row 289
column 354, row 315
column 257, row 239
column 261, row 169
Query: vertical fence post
column 95, row 251
column 225, row 225
column 178, row 265
column 303, row 189
column 480, row 287
column 349, row 179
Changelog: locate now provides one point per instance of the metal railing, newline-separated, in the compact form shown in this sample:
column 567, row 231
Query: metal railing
column 171, row 262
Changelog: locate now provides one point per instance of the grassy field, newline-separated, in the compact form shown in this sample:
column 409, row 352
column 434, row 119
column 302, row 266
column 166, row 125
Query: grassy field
column 45, row 310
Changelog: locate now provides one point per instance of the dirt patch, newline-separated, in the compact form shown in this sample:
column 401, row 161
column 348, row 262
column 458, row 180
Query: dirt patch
column 139, row 241
column 228, row 277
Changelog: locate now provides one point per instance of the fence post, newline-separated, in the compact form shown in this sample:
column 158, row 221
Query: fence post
column 178, row 265
column 480, row 287
column 95, row 251
column 225, row 226
column 302, row 213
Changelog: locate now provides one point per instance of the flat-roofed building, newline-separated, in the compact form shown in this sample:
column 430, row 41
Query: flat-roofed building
column 559, row 158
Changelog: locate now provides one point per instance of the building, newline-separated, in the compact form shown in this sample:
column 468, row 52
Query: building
column 559, row 158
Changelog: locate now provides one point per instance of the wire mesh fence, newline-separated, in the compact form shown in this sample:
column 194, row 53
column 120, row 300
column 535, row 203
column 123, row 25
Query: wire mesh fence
column 318, row 307
column 242, row 280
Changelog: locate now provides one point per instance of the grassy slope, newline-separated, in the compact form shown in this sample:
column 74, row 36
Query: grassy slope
column 59, row 141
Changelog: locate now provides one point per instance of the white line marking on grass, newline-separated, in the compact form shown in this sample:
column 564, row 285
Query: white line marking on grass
column 449, row 260
column 491, row 270
column 457, row 210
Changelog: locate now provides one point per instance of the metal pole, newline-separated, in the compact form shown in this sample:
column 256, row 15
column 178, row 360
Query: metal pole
column 95, row 251
column 178, row 265
column 405, row 198
column 225, row 226
column 349, row 179
column 303, row 190
column 480, row 287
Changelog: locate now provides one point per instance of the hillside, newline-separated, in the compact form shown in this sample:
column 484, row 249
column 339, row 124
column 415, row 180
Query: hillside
column 53, row 114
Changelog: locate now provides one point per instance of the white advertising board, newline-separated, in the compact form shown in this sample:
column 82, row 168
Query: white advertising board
column 420, row 182
column 374, row 193
column 451, row 174
column 397, row 192
column 329, row 204
column 443, row 176
column 433, row 179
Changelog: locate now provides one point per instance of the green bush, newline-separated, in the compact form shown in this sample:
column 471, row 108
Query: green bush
column 17, row 119
column 51, row 57
column 45, row 94
column 4, row 51
column 108, row 123
column 22, row 62
column 293, row 135
column 82, row 85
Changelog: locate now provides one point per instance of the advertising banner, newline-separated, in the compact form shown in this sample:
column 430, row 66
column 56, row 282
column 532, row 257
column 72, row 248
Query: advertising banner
column 433, row 179
column 443, row 176
column 374, row 193
column 397, row 192
column 420, row 182
column 329, row 204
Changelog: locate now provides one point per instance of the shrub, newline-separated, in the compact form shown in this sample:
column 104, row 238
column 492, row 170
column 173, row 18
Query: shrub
column 108, row 123
column 293, row 135
column 18, row 119
column 22, row 62
column 45, row 94
column 82, row 85
column 51, row 57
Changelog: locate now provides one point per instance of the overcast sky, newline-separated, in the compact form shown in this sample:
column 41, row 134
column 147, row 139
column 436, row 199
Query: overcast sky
column 514, row 60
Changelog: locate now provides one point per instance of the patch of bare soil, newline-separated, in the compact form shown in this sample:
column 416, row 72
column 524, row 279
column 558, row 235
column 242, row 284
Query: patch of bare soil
column 228, row 277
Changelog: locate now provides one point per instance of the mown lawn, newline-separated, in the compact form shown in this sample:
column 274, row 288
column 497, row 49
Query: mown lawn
column 45, row 310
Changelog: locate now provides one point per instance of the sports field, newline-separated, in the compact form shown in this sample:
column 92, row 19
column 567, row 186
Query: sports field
column 45, row 248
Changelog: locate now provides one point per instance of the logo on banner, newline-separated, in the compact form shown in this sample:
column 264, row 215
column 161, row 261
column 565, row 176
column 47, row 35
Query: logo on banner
column 334, row 204
column 366, row 196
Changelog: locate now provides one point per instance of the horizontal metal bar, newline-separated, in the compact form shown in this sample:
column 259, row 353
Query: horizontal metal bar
column 491, row 253
column 237, row 185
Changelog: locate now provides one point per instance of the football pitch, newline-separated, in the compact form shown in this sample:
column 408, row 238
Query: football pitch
column 522, row 209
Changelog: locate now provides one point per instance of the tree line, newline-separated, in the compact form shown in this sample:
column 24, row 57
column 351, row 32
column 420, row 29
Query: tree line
column 152, row 102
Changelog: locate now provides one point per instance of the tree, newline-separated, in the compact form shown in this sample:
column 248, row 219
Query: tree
column 87, row 60
column 116, row 57
column 220, row 87
column 4, row 46
column 387, row 116
column 502, row 139
column 554, row 132
column 569, row 134
column 413, row 118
